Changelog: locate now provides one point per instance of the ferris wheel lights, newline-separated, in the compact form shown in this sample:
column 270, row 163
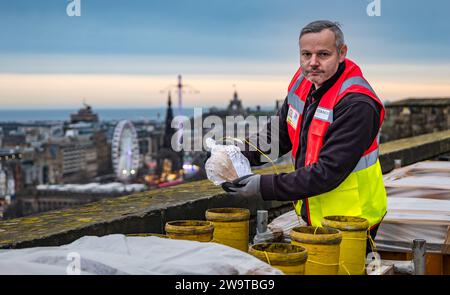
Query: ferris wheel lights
column 125, row 150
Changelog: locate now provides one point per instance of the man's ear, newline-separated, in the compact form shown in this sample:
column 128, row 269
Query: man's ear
column 343, row 53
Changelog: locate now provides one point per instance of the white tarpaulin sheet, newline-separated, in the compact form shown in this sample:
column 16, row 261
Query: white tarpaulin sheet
column 119, row 254
column 418, row 207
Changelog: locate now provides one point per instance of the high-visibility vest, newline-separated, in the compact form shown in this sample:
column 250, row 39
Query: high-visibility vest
column 362, row 193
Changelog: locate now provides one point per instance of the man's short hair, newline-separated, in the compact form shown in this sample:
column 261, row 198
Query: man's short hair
column 320, row 25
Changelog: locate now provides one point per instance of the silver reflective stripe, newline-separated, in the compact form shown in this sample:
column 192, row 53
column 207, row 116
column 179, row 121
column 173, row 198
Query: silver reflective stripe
column 293, row 98
column 367, row 161
column 298, row 104
column 296, row 84
column 355, row 81
column 324, row 114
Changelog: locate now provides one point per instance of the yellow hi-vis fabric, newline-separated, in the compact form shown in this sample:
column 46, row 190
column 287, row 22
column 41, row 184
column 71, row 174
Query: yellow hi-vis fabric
column 361, row 194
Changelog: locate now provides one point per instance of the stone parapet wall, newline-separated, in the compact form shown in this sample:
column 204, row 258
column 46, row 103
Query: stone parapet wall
column 149, row 211
column 415, row 116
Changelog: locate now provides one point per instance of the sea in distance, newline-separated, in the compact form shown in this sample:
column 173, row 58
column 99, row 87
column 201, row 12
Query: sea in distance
column 116, row 114
column 133, row 114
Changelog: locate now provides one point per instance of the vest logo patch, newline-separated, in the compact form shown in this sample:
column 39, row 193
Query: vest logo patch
column 323, row 114
column 292, row 117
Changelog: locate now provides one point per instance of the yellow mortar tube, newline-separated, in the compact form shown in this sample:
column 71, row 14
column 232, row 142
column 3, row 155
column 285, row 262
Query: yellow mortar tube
column 288, row 258
column 230, row 226
column 354, row 239
column 194, row 230
column 323, row 248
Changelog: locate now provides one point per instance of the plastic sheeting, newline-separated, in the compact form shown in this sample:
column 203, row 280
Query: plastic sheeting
column 399, row 237
column 226, row 163
column 118, row 254
column 418, row 207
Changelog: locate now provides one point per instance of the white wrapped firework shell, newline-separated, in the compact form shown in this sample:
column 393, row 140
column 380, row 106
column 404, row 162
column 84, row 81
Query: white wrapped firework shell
column 226, row 163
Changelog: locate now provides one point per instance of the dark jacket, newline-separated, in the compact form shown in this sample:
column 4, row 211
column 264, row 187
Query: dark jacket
column 355, row 126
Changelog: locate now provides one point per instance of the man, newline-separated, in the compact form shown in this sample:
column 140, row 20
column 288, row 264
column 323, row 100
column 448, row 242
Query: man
column 330, row 121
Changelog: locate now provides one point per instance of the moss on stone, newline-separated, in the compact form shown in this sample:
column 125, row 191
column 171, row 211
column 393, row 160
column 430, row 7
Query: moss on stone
column 406, row 143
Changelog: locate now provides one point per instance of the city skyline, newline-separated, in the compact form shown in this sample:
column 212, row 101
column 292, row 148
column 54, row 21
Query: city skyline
column 123, row 53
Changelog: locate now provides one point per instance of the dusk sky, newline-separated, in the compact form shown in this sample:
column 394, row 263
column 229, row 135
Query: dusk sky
column 122, row 53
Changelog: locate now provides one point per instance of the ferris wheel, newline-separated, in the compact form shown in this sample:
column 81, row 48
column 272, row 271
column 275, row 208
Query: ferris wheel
column 125, row 150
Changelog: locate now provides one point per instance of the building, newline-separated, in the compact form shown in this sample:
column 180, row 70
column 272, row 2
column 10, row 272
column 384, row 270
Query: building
column 235, row 107
column 103, row 153
column 84, row 115
column 10, row 178
column 70, row 160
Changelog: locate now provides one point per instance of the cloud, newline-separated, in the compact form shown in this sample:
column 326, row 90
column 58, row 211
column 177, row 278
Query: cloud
column 66, row 90
column 259, row 85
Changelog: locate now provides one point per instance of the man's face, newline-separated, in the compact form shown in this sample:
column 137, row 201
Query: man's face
column 319, row 57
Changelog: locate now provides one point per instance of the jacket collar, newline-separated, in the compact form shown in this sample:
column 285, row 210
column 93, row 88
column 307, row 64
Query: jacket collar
column 317, row 94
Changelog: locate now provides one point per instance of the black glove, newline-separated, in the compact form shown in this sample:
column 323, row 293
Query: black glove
column 229, row 186
column 245, row 186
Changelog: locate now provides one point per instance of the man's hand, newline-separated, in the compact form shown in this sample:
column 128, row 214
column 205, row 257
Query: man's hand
column 246, row 186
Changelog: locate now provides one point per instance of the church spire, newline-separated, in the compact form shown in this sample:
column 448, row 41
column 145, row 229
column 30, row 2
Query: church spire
column 168, row 130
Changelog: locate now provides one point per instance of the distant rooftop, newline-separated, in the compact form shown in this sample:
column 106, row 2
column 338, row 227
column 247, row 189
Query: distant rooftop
column 84, row 115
